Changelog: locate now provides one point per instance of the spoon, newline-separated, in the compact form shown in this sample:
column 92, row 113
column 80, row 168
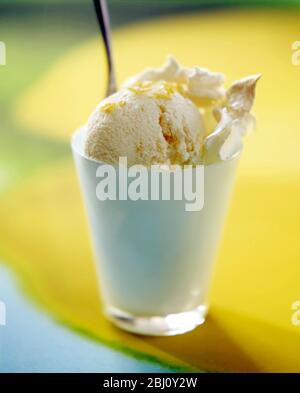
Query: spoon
column 104, row 24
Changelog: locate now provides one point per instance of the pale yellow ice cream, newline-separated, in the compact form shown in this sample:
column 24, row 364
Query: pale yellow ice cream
column 149, row 123
column 172, row 115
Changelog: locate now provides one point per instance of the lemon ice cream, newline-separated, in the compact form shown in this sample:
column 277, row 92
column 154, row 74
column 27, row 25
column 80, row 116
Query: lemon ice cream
column 160, row 117
column 150, row 123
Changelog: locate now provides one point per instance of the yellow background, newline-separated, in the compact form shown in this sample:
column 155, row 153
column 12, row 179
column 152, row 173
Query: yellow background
column 257, row 277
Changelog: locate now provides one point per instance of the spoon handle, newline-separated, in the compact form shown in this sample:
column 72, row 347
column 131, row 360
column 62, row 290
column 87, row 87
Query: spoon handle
column 104, row 24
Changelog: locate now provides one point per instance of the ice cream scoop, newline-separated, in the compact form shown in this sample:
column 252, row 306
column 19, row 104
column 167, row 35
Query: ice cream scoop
column 148, row 123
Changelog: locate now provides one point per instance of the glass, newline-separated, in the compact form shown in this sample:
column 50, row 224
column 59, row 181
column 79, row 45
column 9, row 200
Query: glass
column 154, row 258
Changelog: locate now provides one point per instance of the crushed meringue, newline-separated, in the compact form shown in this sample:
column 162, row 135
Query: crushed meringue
column 202, row 83
column 205, row 88
column 197, row 82
column 235, row 120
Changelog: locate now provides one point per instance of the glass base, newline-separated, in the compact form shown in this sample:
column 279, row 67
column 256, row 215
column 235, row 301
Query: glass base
column 168, row 325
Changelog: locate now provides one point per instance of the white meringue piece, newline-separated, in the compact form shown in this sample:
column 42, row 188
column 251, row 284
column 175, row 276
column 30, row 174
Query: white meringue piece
column 235, row 120
column 240, row 96
column 203, row 83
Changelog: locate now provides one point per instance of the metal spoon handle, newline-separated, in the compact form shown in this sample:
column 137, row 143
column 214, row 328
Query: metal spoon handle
column 104, row 24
